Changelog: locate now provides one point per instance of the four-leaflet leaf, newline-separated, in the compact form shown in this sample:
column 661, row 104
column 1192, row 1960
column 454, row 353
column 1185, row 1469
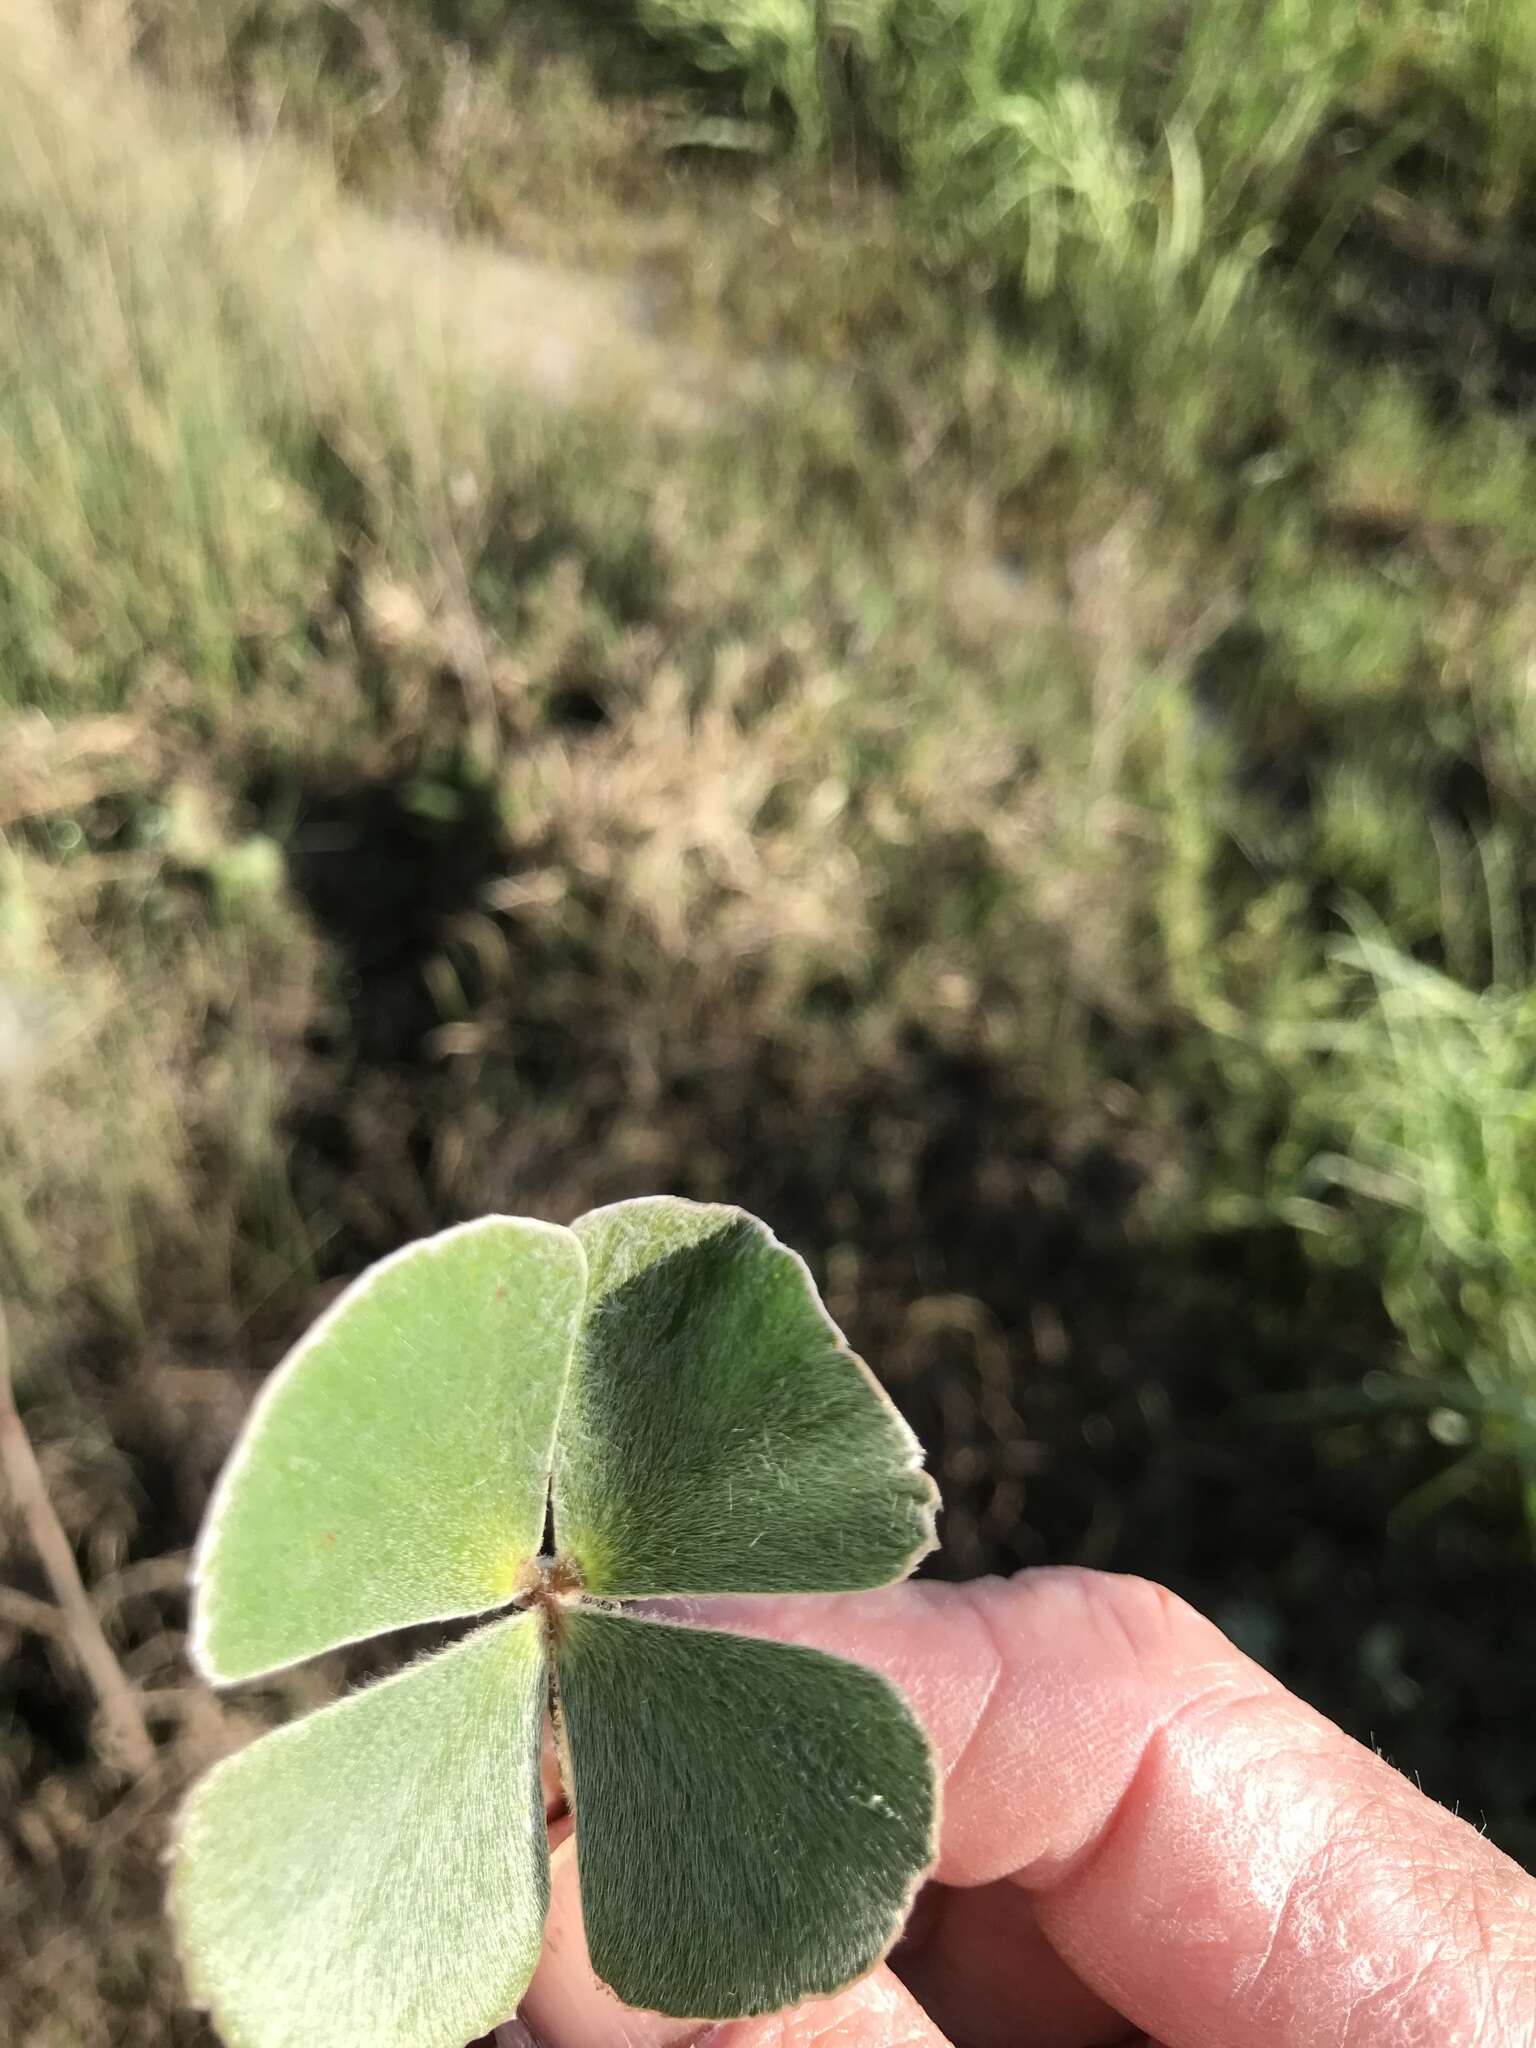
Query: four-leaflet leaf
column 752, row 1818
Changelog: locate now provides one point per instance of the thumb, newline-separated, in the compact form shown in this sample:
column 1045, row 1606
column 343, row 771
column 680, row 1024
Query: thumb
column 567, row 2007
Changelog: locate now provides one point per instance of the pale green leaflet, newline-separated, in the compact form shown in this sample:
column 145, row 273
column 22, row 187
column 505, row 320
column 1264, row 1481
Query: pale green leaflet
column 752, row 1818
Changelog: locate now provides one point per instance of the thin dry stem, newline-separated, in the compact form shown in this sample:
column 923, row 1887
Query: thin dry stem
column 120, row 1708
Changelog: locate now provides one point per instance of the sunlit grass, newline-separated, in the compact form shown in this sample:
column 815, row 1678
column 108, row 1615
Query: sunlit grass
column 951, row 674
column 1144, row 159
column 1429, row 1090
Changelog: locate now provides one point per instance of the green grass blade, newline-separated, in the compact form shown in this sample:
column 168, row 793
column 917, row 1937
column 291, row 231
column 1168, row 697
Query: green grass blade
column 396, row 1467
column 719, row 1435
column 752, row 1818
column 378, row 1872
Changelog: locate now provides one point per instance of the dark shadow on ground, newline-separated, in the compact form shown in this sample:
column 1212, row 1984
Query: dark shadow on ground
column 1084, row 1393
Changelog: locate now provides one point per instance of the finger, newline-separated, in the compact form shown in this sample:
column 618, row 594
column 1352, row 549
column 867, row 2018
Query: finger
column 980, row 1965
column 1216, row 1860
column 566, row 2007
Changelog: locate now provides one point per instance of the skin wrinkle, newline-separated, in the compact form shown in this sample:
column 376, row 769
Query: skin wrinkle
column 1290, row 1790
column 981, row 1616
column 1322, row 1874
column 1456, row 1924
column 1398, row 1995
column 1101, row 1843
column 1484, row 1937
column 1425, row 1984
column 1277, row 1927
column 1142, row 1616
column 1315, row 1876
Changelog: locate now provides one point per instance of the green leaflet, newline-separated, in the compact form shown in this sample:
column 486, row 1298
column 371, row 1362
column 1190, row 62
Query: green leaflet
column 396, row 1467
column 719, row 1435
column 378, row 1872
column 752, row 1817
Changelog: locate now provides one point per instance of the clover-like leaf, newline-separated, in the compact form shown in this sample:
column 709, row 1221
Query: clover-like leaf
column 776, row 1801
column 379, row 1871
column 719, row 1436
column 396, row 1467
column 751, row 1817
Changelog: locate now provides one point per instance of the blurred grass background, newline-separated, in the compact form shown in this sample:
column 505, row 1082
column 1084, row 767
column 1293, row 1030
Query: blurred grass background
column 916, row 613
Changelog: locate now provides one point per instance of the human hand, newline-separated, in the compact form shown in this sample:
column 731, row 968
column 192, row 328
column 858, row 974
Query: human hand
column 1143, row 1835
